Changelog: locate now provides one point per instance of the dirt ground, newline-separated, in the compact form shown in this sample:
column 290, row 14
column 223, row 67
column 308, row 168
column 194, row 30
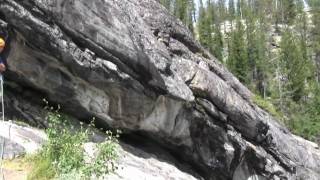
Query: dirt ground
column 16, row 169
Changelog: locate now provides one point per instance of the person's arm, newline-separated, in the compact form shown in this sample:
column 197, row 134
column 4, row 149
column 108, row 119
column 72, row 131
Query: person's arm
column 6, row 50
column 2, row 66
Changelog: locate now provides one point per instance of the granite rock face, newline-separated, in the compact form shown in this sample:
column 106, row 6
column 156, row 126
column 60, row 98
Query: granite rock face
column 18, row 140
column 135, row 67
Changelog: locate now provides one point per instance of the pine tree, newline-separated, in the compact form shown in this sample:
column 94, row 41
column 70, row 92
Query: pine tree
column 256, row 44
column 231, row 10
column 212, row 23
column 261, row 63
column 211, row 14
column 221, row 10
column 277, row 14
column 289, row 11
column 210, row 19
column 237, row 59
column 181, row 9
column 241, row 5
column 218, row 42
column 204, row 27
column 191, row 15
column 315, row 7
column 303, row 30
column 293, row 66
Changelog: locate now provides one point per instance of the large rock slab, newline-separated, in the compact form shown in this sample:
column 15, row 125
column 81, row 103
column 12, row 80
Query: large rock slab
column 133, row 163
column 135, row 67
column 19, row 140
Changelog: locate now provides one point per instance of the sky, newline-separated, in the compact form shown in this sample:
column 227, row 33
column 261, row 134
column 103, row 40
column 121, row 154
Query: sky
column 205, row 1
column 197, row 2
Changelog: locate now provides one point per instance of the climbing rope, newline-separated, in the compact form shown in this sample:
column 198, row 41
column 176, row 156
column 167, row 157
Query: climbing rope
column 2, row 120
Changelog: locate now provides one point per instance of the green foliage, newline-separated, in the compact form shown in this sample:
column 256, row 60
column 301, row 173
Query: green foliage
column 217, row 45
column 64, row 147
column 104, row 163
column 306, row 121
column 315, row 33
column 204, row 27
column 231, row 8
column 293, row 66
column 257, row 52
column 215, row 39
column 289, row 11
column 74, row 174
column 64, row 153
column 181, row 9
column 307, row 125
column 238, row 60
column 269, row 107
column 42, row 170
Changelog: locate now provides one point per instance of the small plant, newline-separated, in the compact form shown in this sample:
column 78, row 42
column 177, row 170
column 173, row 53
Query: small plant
column 64, row 147
column 64, row 152
column 104, row 163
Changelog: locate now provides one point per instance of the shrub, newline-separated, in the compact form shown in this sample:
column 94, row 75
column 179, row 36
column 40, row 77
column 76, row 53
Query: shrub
column 307, row 126
column 64, row 147
column 63, row 154
column 306, row 121
column 104, row 163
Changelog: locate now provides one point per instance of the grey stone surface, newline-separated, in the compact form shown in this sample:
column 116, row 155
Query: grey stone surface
column 134, row 163
column 10, row 149
column 19, row 140
column 134, row 67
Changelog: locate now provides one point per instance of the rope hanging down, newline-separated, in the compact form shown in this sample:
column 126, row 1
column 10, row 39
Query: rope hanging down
column 2, row 120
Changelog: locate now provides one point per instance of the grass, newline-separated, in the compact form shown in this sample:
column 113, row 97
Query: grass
column 30, row 167
column 42, row 169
